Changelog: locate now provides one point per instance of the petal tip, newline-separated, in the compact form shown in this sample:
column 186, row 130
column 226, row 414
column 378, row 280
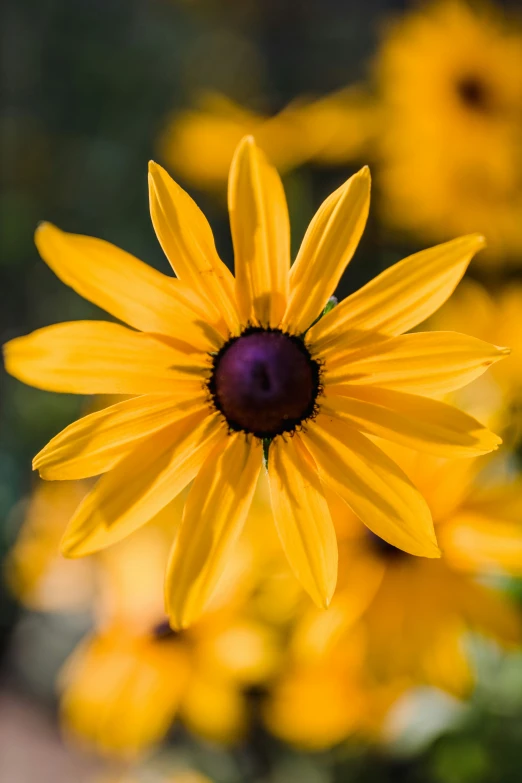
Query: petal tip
column 67, row 548
column 42, row 225
column 490, row 441
column 246, row 146
column 479, row 240
column 155, row 170
column 177, row 622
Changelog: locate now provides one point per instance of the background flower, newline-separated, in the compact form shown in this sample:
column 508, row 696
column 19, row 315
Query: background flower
column 450, row 81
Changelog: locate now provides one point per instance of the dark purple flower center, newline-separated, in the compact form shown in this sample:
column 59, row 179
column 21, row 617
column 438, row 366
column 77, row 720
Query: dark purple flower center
column 265, row 382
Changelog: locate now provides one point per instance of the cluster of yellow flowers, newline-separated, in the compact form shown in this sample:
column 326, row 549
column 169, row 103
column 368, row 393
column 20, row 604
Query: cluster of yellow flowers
column 331, row 525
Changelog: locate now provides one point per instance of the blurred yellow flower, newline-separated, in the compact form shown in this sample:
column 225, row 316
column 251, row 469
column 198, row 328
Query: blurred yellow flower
column 398, row 621
column 125, row 683
column 496, row 314
column 450, row 84
column 414, row 612
column 199, row 143
column 234, row 370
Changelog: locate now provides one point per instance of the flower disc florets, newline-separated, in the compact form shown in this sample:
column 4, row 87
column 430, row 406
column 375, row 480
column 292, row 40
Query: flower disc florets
column 265, row 382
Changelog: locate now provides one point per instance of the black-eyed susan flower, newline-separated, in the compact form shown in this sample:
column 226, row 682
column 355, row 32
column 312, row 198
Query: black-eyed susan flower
column 229, row 371
column 414, row 613
column 132, row 677
column 450, row 85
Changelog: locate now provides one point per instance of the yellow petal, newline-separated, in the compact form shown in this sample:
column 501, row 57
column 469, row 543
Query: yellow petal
column 400, row 297
column 141, row 484
column 411, row 420
column 96, row 443
column 98, row 357
column 124, row 286
column 187, row 241
column 303, row 518
column 422, row 362
column 328, row 246
column 261, row 236
column 374, row 487
column 215, row 511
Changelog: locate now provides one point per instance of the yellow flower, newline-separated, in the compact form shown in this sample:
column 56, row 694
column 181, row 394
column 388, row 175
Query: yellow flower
column 199, row 143
column 227, row 370
column 450, row 81
column 131, row 677
column 495, row 314
column 121, row 691
column 399, row 621
column 414, row 612
column 123, row 687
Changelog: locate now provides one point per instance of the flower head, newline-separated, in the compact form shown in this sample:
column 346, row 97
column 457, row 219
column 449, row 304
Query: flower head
column 226, row 372
column 450, row 84
column 413, row 612
column 131, row 677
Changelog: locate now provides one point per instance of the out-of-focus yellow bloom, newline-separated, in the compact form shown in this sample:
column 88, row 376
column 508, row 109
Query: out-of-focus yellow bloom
column 199, row 143
column 128, row 680
column 418, row 611
column 450, row 84
column 228, row 372
column 497, row 397
column 399, row 621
